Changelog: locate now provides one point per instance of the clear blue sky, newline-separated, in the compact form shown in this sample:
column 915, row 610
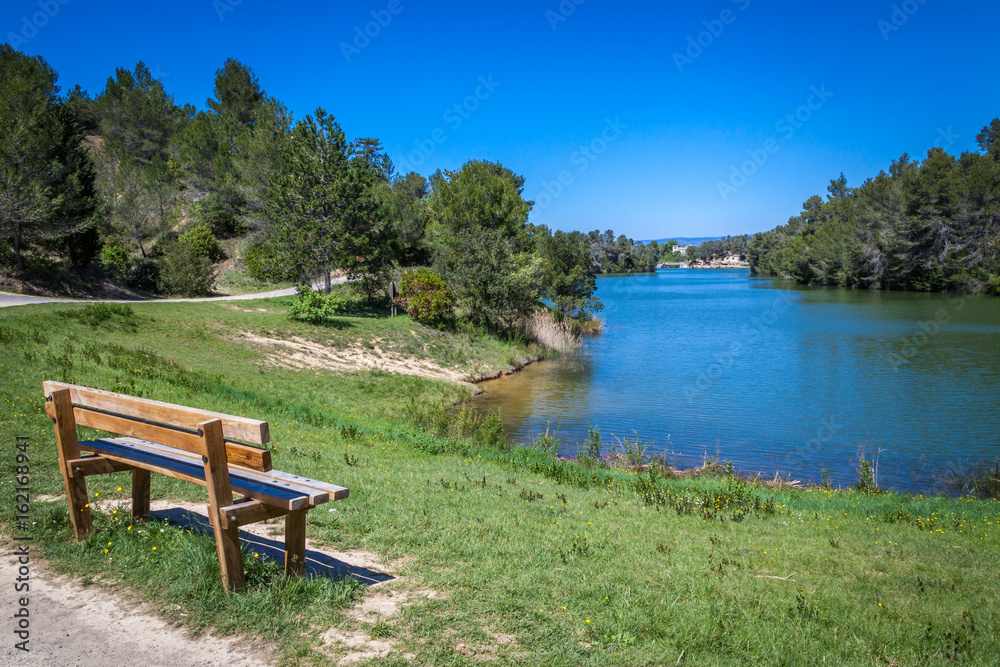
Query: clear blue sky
column 678, row 132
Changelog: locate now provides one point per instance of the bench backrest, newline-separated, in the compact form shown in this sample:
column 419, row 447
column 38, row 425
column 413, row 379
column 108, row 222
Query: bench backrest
column 165, row 423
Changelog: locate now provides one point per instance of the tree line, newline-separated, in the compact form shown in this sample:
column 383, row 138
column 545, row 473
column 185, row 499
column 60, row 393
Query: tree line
column 131, row 187
column 923, row 226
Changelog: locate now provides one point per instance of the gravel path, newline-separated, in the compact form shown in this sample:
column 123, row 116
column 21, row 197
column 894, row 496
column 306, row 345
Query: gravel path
column 7, row 299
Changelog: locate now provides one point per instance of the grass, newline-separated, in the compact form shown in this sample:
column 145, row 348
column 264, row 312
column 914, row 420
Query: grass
column 532, row 559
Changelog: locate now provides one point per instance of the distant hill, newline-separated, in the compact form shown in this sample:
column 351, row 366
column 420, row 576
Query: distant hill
column 685, row 240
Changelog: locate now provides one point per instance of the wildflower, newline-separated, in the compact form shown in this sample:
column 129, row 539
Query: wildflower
column 154, row 548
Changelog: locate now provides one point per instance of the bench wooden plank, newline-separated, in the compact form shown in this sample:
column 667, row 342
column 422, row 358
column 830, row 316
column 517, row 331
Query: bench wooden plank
column 192, row 470
column 284, row 480
column 60, row 409
column 94, row 465
column 336, row 492
column 233, row 427
column 220, row 494
column 241, row 514
column 244, row 455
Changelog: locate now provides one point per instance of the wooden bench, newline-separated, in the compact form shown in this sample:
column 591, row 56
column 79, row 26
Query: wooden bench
column 221, row 452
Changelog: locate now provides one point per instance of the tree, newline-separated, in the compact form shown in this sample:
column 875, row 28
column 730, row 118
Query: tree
column 46, row 182
column 406, row 197
column 482, row 242
column 138, row 117
column 989, row 139
column 569, row 279
column 323, row 209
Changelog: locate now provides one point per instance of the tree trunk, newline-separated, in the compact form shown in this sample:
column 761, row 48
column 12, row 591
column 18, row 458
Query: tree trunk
column 326, row 281
column 17, row 248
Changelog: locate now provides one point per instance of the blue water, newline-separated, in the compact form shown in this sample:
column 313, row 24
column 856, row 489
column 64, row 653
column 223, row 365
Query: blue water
column 776, row 378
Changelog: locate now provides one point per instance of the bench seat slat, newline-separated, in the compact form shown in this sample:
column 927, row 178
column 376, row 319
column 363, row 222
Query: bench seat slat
column 290, row 482
column 191, row 470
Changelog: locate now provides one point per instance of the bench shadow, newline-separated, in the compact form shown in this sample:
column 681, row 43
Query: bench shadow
column 318, row 564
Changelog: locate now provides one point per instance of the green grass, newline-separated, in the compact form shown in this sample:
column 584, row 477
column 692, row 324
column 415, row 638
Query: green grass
column 581, row 566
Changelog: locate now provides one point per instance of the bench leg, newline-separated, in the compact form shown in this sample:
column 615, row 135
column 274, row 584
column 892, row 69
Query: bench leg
column 220, row 494
column 140, row 495
column 69, row 449
column 295, row 543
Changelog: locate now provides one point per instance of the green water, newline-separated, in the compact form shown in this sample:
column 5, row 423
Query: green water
column 775, row 377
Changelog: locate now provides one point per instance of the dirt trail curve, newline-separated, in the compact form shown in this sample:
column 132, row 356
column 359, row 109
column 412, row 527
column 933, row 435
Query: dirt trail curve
column 9, row 299
column 73, row 626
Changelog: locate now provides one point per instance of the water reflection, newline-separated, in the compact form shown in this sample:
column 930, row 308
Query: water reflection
column 775, row 376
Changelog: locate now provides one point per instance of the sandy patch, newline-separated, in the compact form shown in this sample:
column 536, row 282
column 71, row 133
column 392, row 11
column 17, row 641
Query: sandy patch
column 299, row 354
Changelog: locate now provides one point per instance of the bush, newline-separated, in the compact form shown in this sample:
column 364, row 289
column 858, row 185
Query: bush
column 426, row 297
column 144, row 275
column 111, row 316
column 115, row 262
column 210, row 211
column 201, row 238
column 185, row 271
column 313, row 307
column 262, row 266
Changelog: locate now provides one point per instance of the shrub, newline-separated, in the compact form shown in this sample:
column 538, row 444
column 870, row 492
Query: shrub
column 262, row 266
column 210, row 211
column 426, row 297
column 201, row 238
column 313, row 307
column 185, row 271
column 115, row 262
column 144, row 275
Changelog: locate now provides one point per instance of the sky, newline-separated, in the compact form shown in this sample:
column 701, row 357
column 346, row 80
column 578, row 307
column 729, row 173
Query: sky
column 654, row 119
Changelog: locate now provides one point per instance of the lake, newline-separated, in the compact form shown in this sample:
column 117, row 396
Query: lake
column 775, row 377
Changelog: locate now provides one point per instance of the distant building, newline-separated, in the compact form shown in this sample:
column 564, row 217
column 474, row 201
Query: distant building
column 681, row 249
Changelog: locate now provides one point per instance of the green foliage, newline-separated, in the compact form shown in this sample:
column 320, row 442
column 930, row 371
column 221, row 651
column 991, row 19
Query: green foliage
column 213, row 213
column 184, row 271
column 482, row 243
column 426, row 297
column 312, row 307
column 590, row 453
column 46, row 178
column 622, row 254
column 200, row 237
column 115, row 262
column 929, row 226
column 262, row 265
column 569, row 275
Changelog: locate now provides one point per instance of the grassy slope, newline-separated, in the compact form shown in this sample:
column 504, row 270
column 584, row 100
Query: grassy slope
column 596, row 567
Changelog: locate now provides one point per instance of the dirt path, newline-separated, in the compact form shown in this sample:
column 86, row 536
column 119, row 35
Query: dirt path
column 72, row 624
column 8, row 299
